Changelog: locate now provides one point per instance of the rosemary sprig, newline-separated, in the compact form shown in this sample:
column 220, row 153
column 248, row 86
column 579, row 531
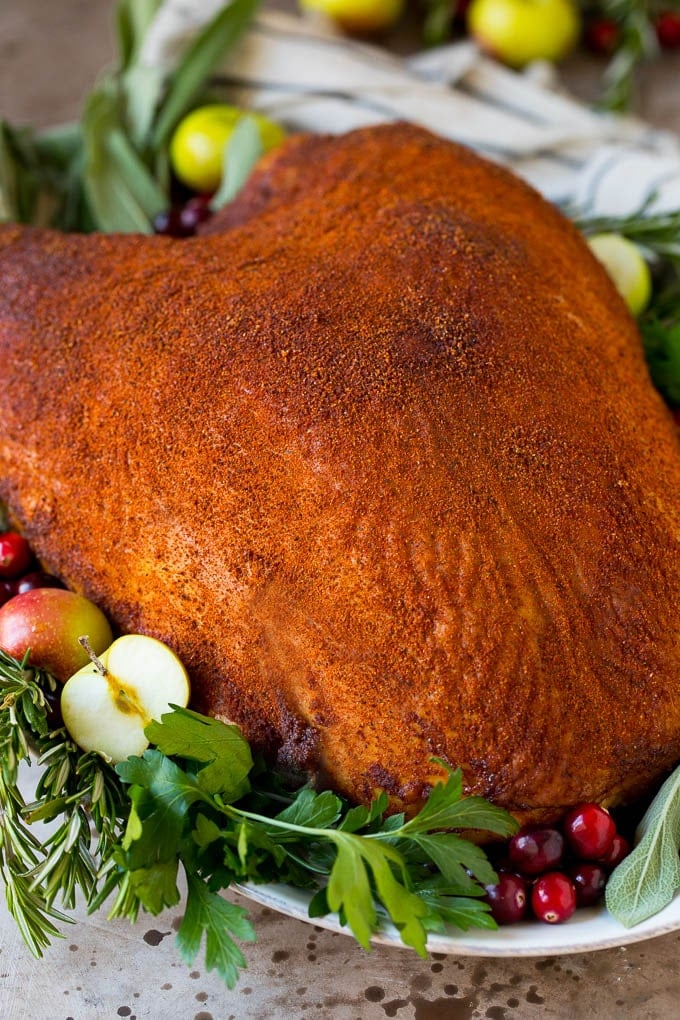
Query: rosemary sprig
column 656, row 234
column 637, row 44
column 79, row 791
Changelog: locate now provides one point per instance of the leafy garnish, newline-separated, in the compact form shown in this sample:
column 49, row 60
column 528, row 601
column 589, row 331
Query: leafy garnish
column 192, row 805
column 636, row 44
column 110, row 171
column 196, row 802
column 241, row 153
column 646, row 881
column 224, row 754
column 208, row 914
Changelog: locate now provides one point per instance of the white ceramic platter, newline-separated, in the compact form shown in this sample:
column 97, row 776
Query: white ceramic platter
column 588, row 929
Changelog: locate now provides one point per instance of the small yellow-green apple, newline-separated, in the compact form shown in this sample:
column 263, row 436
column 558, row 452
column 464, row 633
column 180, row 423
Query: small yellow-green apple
column 625, row 264
column 198, row 144
column 49, row 621
column 519, row 31
column 107, row 704
column 360, row 16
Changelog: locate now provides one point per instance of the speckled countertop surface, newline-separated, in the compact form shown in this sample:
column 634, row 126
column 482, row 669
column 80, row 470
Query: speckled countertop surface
column 49, row 54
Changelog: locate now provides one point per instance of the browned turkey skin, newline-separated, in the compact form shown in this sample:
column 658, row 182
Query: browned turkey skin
column 379, row 458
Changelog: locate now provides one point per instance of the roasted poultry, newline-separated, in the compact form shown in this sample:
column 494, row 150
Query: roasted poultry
column 379, row 457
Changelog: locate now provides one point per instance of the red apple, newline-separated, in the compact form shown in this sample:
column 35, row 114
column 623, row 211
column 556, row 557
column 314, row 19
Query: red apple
column 49, row 621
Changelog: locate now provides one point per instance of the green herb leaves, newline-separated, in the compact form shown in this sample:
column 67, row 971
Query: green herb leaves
column 636, row 43
column 110, row 171
column 661, row 338
column 223, row 753
column 74, row 789
column 207, row 913
column 649, row 877
column 122, row 193
column 193, row 805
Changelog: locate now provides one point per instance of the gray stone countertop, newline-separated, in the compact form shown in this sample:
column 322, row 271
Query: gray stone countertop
column 49, row 56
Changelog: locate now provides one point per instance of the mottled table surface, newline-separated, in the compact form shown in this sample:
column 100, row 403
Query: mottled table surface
column 49, row 54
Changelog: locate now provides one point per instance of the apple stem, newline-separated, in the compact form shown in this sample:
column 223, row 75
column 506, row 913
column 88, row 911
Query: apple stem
column 97, row 662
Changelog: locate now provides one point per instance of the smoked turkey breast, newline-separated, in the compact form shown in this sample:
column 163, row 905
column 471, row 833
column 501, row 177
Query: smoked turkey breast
column 379, row 457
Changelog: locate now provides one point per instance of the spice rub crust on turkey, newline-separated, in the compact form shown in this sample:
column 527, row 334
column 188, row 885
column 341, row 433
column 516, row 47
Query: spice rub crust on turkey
column 379, row 458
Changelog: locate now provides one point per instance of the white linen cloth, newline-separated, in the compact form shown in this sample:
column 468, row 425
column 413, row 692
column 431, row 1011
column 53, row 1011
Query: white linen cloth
column 314, row 80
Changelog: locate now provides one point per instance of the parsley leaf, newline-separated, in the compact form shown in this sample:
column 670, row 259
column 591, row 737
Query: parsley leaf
column 315, row 810
column 222, row 746
column 176, row 789
column 350, row 891
column 208, row 914
column 446, row 808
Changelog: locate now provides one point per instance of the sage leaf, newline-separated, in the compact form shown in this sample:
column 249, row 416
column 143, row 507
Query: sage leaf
column 142, row 88
column 133, row 18
column 648, row 878
column 9, row 206
column 121, row 192
column 241, row 153
column 204, row 54
column 220, row 747
column 58, row 146
column 19, row 186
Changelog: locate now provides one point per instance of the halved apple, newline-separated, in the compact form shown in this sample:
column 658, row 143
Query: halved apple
column 107, row 704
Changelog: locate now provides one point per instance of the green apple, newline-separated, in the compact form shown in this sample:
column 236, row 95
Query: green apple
column 360, row 16
column 198, row 144
column 107, row 704
column 519, row 31
column 627, row 268
column 49, row 621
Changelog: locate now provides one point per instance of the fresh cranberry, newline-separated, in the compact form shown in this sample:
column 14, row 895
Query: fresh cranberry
column 196, row 211
column 15, row 554
column 619, row 849
column 533, row 851
column 553, row 897
column 667, row 25
column 590, row 831
column 169, row 223
column 460, row 11
column 35, row 579
column 6, row 591
column 508, row 899
column 589, row 881
column 602, row 35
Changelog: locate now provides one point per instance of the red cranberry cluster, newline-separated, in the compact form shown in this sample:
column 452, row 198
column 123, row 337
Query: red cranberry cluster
column 184, row 220
column 603, row 35
column 549, row 872
column 18, row 569
column 667, row 25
